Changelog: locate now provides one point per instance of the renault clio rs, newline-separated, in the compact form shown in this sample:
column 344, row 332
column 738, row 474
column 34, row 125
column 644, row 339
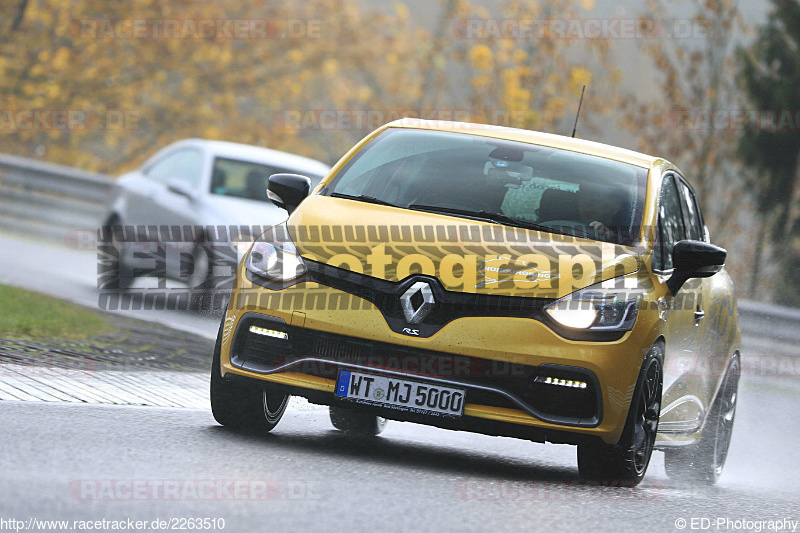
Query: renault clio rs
column 492, row 280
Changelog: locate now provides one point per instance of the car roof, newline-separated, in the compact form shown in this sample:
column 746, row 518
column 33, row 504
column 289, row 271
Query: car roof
column 257, row 154
column 533, row 137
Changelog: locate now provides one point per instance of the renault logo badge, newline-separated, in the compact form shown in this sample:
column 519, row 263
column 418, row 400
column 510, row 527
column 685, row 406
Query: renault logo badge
column 416, row 292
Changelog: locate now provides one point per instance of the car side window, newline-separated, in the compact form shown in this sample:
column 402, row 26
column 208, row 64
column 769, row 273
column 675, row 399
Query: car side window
column 671, row 228
column 244, row 179
column 185, row 165
column 691, row 213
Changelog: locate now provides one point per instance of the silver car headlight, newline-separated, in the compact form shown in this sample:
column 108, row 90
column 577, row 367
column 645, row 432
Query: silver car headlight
column 596, row 309
column 273, row 256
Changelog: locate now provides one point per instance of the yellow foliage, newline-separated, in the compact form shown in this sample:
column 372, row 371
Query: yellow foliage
column 52, row 91
column 401, row 12
column 61, row 59
column 364, row 94
column 578, row 77
column 480, row 81
column 212, row 132
column 481, row 57
column 330, row 66
column 188, row 86
column 555, row 106
column 341, row 54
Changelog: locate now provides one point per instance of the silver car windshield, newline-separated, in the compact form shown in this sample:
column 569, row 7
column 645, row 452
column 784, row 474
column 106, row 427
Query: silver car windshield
column 507, row 182
column 244, row 179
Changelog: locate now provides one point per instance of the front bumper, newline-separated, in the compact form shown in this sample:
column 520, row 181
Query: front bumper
column 496, row 359
column 492, row 383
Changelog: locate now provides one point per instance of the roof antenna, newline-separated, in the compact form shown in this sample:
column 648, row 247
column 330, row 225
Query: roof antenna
column 575, row 127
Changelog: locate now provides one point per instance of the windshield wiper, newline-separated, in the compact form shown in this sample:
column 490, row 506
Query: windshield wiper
column 483, row 215
column 477, row 215
column 362, row 198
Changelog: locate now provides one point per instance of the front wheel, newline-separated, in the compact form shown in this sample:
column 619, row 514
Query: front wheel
column 197, row 271
column 703, row 462
column 241, row 405
column 113, row 248
column 627, row 460
column 355, row 422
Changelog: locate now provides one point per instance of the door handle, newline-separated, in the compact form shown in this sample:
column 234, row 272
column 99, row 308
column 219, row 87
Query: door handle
column 699, row 314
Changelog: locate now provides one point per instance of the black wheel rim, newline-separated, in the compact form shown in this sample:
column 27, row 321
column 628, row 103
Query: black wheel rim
column 274, row 406
column 727, row 411
column 648, row 408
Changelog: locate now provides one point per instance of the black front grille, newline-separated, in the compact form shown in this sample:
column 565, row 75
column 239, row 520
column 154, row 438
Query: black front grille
column 259, row 353
column 327, row 346
column 449, row 305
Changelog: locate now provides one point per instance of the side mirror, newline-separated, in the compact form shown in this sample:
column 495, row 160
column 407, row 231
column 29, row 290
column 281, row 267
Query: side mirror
column 288, row 190
column 182, row 188
column 694, row 259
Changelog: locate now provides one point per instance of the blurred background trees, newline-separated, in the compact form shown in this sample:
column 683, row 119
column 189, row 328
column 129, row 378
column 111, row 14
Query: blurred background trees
column 329, row 71
column 770, row 77
column 696, row 80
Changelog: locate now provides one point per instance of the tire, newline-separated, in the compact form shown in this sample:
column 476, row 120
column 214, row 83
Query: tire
column 243, row 406
column 703, row 462
column 626, row 462
column 356, row 423
column 199, row 268
column 120, row 276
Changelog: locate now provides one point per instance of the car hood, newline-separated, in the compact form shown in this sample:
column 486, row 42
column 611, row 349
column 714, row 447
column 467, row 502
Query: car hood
column 242, row 212
column 464, row 255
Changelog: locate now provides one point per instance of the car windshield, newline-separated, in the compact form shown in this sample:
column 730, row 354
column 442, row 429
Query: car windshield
column 244, row 179
column 503, row 181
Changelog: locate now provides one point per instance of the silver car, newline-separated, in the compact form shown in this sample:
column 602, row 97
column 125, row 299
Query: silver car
column 181, row 213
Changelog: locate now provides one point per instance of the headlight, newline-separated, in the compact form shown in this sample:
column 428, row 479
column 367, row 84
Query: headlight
column 273, row 256
column 596, row 309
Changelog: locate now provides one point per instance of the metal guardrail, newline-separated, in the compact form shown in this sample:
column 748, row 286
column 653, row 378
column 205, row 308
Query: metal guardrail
column 770, row 322
column 52, row 199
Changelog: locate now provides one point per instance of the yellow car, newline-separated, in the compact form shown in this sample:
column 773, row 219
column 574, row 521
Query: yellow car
column 492, row 280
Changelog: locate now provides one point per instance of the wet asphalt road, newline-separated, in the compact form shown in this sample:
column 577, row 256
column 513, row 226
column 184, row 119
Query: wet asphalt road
column 67, row 461
column 85, row 462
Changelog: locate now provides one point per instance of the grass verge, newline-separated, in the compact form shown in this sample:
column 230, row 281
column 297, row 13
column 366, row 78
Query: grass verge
column 30, row 314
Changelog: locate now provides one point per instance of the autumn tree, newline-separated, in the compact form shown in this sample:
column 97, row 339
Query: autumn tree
column 138, row 93
column 692, row 122
column 61, row 55
column 770, row 75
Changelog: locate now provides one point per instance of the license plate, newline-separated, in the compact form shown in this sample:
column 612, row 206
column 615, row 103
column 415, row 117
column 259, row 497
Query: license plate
column 400, row 394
